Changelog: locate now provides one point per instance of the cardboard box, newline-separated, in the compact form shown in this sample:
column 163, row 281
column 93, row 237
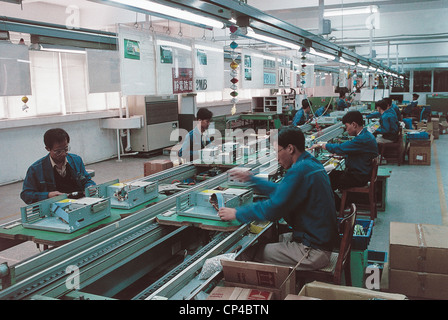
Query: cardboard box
column 418, row 247
column 277, row 279
column 154, row 166
column 420, row 152
column 419, row 284
column 238, row 293
column 327, row 291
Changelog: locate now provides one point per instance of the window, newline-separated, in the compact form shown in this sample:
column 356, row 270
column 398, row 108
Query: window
column 440, row 80
column 422, row 81
column 59, row 85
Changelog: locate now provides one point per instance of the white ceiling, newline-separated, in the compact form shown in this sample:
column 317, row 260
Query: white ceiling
column 412, row 33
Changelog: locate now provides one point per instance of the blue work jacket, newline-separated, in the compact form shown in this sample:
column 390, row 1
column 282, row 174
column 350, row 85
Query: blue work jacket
column 300, row 118
column 389, row 125
column 304, row 199
column 40, row 180
column 192, row 145
column 358, row 152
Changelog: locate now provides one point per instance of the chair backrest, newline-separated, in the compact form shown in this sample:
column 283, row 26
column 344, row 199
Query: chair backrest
column 374, row 175
column 347, row 226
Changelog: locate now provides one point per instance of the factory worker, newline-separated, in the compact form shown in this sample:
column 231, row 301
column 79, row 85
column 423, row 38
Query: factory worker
column 342, row 104
column 303, row 114
column 324, row 110
column 407, row 111
column 358, row 153
column 196, row 140
column 389, row 126
column 303, row 198
column 57, row 173
column 390, row 105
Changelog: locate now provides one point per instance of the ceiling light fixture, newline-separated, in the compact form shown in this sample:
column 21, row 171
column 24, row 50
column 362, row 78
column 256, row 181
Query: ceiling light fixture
column 350, row 11
column 171, row 12
column 323, row 55
column 252, row 34
column 341, row 59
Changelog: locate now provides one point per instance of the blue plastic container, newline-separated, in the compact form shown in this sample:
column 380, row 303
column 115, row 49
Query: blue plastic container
column 361, row 242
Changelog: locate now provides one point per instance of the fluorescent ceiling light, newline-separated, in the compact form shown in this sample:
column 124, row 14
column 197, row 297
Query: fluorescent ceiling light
column 350, row 11
column 171, row 12
column 201, row 47
column 173, row 44
column 290, row 45
column 346, row 61
column 323, row 55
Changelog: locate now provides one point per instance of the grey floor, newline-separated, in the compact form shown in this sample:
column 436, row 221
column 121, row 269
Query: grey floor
column 415, row 194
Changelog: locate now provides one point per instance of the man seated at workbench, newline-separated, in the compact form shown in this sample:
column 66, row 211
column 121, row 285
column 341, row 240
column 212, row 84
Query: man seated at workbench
column 389, row 125
column 57, row 173
column 303, row 198
column 303, row 114
column 358, row 153
column 196, row 140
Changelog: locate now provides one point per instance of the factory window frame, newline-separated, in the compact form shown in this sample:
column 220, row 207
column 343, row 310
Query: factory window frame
column 422, row 81
column 59, row 84
column 441, row 80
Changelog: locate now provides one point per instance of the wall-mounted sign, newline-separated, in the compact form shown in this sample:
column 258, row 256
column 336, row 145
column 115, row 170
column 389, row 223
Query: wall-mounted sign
column 182, row 80
column 131, row 49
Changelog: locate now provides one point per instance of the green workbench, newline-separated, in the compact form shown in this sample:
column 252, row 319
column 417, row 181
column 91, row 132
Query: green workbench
column 17, row 233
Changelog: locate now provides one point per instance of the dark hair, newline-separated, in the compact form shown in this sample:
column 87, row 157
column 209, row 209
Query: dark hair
column 306, row 104
column 204, row 114
column 341, row 94
column 388, row 101
column 415, row 95
column 291, row 135
column 353, row 116
column 381, row 104
column 55, row 135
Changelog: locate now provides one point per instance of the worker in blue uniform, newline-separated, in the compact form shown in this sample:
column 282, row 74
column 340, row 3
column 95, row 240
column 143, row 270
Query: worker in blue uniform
column 196, row 139
column 342, row 103
column 57, row 173
column 391, row 105
column 358, row 153
column 303, row 198
column 303, row 114
column 324, row 110
column 407, row 111
column 389, row 126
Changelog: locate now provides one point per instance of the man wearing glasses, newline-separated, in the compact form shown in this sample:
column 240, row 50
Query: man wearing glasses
column 57, row 173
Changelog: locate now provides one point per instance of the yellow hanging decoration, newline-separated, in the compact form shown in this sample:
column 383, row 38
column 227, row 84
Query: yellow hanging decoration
column 25, row 107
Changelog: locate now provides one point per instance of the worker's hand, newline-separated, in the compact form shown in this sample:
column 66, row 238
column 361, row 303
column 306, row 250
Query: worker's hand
column 317, row 146
column 54, row 194
column 240, row 175
column 227, row 214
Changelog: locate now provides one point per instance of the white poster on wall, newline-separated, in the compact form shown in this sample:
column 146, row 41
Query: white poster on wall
column 174, row 65
column 208, row 66
column 137, row 61
column 251, row 69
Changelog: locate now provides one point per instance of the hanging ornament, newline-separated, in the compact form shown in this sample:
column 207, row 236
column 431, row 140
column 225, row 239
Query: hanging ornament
column 303, row 51
column 25, row 107
column 233, row 67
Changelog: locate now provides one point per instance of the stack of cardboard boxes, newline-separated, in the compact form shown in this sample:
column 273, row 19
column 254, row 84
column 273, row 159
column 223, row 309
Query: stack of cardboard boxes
column 418, row 260
column 154, row 166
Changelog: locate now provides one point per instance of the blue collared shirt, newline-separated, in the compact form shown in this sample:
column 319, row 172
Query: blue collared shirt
column 304, row 199
column 358, row 151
